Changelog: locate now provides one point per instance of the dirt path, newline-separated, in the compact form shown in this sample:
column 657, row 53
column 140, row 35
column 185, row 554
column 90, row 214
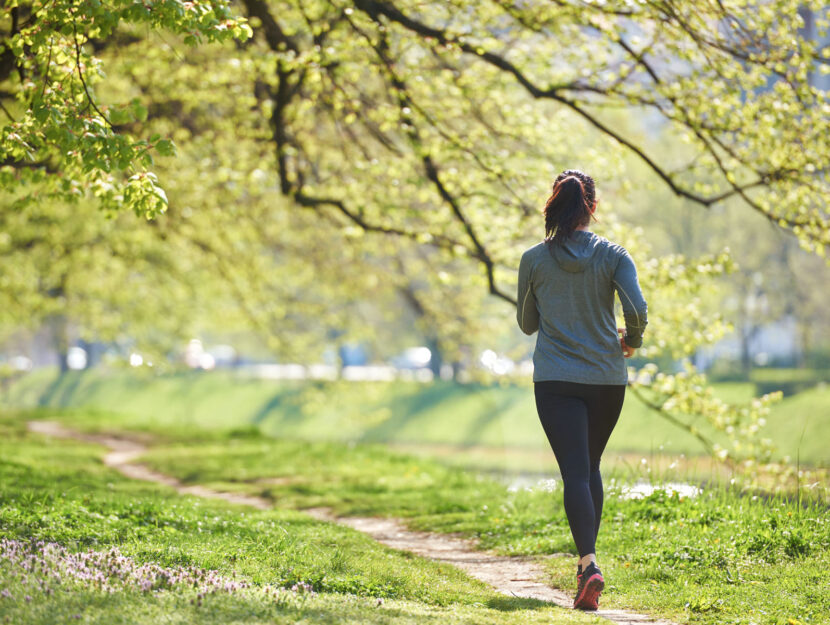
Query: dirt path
column 509, row 575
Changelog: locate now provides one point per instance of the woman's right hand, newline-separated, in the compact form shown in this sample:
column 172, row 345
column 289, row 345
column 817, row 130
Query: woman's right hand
column 628, row 351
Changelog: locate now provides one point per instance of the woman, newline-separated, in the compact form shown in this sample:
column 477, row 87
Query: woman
column 566, row 292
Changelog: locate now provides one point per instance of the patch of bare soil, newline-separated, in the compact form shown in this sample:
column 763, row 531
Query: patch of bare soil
column 509, row 575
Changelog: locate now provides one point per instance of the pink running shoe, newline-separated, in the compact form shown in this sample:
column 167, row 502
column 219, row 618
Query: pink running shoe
column 589, row 588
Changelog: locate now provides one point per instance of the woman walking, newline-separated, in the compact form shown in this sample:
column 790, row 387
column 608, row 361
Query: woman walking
column 566, row 292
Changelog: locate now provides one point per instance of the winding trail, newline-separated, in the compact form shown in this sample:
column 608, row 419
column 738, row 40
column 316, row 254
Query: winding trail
column 508, row 575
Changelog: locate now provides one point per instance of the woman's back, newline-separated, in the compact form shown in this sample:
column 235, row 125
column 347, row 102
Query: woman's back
column 566, row 291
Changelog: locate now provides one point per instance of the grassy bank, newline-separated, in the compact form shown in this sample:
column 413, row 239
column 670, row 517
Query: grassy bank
column 490, row 417
column 186, row 560
column 715, row 558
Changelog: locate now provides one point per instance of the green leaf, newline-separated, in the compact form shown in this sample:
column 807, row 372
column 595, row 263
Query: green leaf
column 166, row 147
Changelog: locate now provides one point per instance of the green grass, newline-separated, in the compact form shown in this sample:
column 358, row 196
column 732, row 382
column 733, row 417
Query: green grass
column 490, row 417
column 129, row 608
column 716, row 558
column 59, row 491
column 713, row 559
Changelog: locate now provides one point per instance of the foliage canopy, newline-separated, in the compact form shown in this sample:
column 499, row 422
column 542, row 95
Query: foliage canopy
column 333, row 153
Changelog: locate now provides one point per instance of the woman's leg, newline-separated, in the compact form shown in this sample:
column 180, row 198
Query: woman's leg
column 565, row 421
column 604, row 405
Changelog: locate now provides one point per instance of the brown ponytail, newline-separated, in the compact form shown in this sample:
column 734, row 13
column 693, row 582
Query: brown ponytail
column 569, row 205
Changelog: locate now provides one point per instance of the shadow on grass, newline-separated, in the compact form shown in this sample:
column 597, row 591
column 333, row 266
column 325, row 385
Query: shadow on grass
column 285, row 398
column 60, row 389
column 410, row 407
column 493, row 411
column 510, row 604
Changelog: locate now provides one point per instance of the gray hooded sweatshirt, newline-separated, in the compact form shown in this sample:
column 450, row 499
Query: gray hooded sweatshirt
column 567, row 293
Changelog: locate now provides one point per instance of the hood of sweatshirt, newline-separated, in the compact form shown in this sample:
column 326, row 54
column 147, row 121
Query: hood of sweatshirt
column 574, row 254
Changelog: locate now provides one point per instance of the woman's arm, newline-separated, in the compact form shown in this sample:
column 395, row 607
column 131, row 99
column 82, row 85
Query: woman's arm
column 527, row 314
column 635, row 310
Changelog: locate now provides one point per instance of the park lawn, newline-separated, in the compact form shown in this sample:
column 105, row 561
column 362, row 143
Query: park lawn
column 172, row 608
column 281, row 566
column 717, row 558
column 494, row 417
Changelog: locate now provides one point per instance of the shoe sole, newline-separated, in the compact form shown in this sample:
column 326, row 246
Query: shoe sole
column 589, row 598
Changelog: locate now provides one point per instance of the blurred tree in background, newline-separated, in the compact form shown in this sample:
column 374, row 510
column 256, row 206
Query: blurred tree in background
column 320, row 166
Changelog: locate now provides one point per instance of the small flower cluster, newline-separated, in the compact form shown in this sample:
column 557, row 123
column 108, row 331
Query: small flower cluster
column 303, row 588
column 110, row 571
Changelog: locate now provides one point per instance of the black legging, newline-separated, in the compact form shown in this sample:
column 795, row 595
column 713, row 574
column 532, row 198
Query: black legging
column 578, row 420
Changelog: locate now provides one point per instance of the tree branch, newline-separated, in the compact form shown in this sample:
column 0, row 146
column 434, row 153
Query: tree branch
column 405, row 105
column 375, row 8
column 81, row 74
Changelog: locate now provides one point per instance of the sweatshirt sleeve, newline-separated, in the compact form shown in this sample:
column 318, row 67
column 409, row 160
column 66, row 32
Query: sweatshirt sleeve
column 527, row 314
column 635, row 310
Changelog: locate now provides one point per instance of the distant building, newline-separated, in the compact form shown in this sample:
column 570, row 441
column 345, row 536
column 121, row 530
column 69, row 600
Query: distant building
column 774, row 342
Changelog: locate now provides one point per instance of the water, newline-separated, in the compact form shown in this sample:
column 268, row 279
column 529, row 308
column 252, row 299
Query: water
column 530, row 483
column 638, row 490
column 642, row 489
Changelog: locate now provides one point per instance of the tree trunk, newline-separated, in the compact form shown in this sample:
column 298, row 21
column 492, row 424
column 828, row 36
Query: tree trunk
column 436, row 360
column 60, row 340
